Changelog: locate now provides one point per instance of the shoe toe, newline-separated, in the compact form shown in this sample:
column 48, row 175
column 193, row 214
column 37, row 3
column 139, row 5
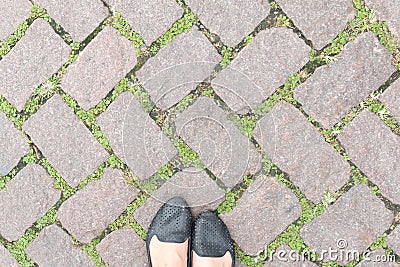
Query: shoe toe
column 211, row 237
column 172, row 222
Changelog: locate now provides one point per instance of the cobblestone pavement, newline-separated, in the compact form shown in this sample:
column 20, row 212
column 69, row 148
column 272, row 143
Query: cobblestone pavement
column 283, row 116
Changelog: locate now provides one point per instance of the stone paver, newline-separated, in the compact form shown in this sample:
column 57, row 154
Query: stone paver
column 12, row 143
column 178, row 68
column 377, row 258
column 221, row 147
column 358, row 218
column 262, row 213
column 319, row 21
column 102, row 64
column 388, row 11
column 78, row 18
column 65, row 141
column 123, row 248
column 54, row 248
column 391, row 98
column 333, row 89
column 393, row 240
column 286, row 257
column 376, row 151
column 150, row 20
column 26, row 198
column 93, row 208
column 194, row 185
column 39, row 54
column 296, row 147
column 261, row 67
column 6, row 259
column 222, row 17
column 135, row 137
column 12, row 13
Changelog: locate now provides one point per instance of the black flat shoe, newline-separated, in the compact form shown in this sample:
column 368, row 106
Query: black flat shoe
column 211, row 237
column 172, row 224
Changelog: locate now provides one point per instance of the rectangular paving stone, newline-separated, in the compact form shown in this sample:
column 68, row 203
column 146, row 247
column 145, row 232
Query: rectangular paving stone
column 65, row 141
column 298, row 149
column 54, row 248
column 194, row 185
column 26, row 198
column 284, row 256
column 373, row 147
column 78, row 18
column 12, row 13
column 221, row 146
column 6, row 259
column 149, row 20
column 362, row 67
column 265, row 210
column 393, row 240
column 319, row 21
column 391, row 98
column 389, row 11
column 377, row 258
column 38, row 55
column 353, row 223
column 261, row 67
column 13, row 145
column 123, row 248
column 135, row 137
column 100, row 66
column 231, row 20
column 90, row 210
column 178, row 68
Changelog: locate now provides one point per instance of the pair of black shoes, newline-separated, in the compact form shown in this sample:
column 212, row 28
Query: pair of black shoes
column 173, row 224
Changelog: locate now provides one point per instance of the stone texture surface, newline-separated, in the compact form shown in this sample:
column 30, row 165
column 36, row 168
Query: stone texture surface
column 377, row 258
column 319, row 21
column 6, row 259
column 12, row 13
column 261, row 67
column 286, row 257
column 65, row 141
column 221, row 146
column 358, row 217
column 123, row 248
column 93, row 208
column 39, row 54
column 150, row 20
column 178, row 68
column 393, row 240
column 222, row 17
column 26, row 198
column 102, row 64
column 376, row 151
column 391, row 98
column 54, row 248
column 12, row 143
column 135, row 137
column 333, row 89
column 264, row 211
column 194, row 185
column 388, row 11
column 296, row 147
column 78, row 18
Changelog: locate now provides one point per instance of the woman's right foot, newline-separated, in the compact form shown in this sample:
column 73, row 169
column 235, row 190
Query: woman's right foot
column 212, row 244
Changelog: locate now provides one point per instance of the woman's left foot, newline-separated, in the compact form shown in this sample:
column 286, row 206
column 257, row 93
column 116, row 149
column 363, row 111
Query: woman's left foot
column 169, row 235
